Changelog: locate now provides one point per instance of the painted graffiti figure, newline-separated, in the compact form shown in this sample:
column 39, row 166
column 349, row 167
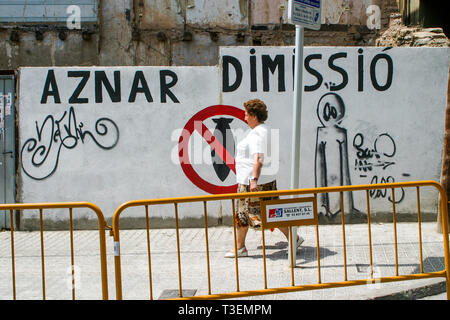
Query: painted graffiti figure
column 331, row 158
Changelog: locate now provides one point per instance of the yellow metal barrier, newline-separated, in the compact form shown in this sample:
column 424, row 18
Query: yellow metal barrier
column 312, row 191
column 60, row 205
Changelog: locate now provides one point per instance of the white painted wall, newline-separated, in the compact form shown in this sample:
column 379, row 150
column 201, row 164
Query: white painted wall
column 139, row 166
column 144, row 163
column 411, row 111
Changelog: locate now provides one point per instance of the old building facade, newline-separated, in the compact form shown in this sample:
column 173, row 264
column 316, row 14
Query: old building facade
column 178, row 32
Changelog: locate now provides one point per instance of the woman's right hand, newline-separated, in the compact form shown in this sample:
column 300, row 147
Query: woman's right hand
column 253, row 186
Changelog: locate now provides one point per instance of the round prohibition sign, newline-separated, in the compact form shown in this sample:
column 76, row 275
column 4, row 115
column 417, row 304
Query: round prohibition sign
column 183, row 143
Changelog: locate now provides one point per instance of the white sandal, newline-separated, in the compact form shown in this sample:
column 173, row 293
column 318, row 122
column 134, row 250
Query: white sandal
column 300, row 240
column 242, row 252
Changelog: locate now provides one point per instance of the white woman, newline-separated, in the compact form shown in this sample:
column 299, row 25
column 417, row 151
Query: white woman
column 253, row 174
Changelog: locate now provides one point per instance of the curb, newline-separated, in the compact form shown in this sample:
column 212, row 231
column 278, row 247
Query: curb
column 416, row 293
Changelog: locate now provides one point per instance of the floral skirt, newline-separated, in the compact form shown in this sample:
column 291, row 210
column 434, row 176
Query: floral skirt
column 248, row 209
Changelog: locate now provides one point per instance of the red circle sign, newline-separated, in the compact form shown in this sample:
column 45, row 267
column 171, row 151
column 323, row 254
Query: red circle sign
column 183, row 143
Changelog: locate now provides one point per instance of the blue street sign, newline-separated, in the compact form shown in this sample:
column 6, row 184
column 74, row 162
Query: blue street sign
column 305, row 13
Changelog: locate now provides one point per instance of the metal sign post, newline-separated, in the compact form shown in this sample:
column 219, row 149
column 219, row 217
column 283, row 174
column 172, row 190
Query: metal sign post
column 296, row 125
column 302, row 13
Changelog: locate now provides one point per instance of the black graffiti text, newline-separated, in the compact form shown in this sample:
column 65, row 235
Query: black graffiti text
column 383, row 193
column 113, row 87
column 40, row 154
column 378, row 155
column 233, row 72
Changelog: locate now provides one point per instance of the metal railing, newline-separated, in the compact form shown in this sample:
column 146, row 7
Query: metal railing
column 293, row 288
column 59, row 205
column 238, row 293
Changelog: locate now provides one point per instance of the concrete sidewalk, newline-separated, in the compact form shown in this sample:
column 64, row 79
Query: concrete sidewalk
column 135, row 275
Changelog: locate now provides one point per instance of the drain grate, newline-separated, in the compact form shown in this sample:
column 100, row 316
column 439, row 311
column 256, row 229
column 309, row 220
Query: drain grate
column 175, row 293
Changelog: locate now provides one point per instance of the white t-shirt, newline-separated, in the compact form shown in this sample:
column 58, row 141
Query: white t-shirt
column 258, row 140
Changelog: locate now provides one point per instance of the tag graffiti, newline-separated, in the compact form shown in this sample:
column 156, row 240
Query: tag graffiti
column 40, row 155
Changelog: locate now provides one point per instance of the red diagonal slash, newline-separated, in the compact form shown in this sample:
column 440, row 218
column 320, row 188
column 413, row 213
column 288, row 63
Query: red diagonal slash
column 215, row 144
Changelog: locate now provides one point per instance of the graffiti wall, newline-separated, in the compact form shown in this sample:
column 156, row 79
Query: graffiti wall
column 369, row 115
column 113, row 134
column 108, row 135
